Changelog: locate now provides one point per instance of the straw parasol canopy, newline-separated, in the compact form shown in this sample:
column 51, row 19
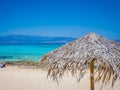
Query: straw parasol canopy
column 76, row 57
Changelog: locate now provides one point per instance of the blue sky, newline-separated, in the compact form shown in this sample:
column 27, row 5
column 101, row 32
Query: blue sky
column 72, row 18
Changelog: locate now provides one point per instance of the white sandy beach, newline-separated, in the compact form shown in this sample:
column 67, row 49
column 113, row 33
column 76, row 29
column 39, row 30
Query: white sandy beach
column 14, row 78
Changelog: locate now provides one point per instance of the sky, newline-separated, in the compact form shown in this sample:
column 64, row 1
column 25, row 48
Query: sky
column 71, row 18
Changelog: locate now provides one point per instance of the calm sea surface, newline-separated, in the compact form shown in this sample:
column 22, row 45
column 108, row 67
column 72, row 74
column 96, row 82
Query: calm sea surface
column 25, row 52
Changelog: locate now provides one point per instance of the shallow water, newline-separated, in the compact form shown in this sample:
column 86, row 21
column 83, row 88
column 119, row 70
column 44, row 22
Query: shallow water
column 25, row 52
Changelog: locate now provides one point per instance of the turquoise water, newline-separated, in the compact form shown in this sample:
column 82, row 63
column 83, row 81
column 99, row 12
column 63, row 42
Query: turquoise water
column 25, row 52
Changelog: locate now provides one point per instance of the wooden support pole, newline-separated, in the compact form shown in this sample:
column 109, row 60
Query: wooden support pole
column 92, row 75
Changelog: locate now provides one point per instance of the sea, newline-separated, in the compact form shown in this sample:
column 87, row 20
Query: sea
column 26, row 52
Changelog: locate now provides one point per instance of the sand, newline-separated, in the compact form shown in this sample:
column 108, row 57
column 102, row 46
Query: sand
column 14, row 78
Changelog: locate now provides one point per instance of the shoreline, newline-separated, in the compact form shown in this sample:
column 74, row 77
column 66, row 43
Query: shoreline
column 21, row 63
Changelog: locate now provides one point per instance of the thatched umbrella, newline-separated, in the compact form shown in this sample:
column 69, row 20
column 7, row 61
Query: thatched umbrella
column 80, row 54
